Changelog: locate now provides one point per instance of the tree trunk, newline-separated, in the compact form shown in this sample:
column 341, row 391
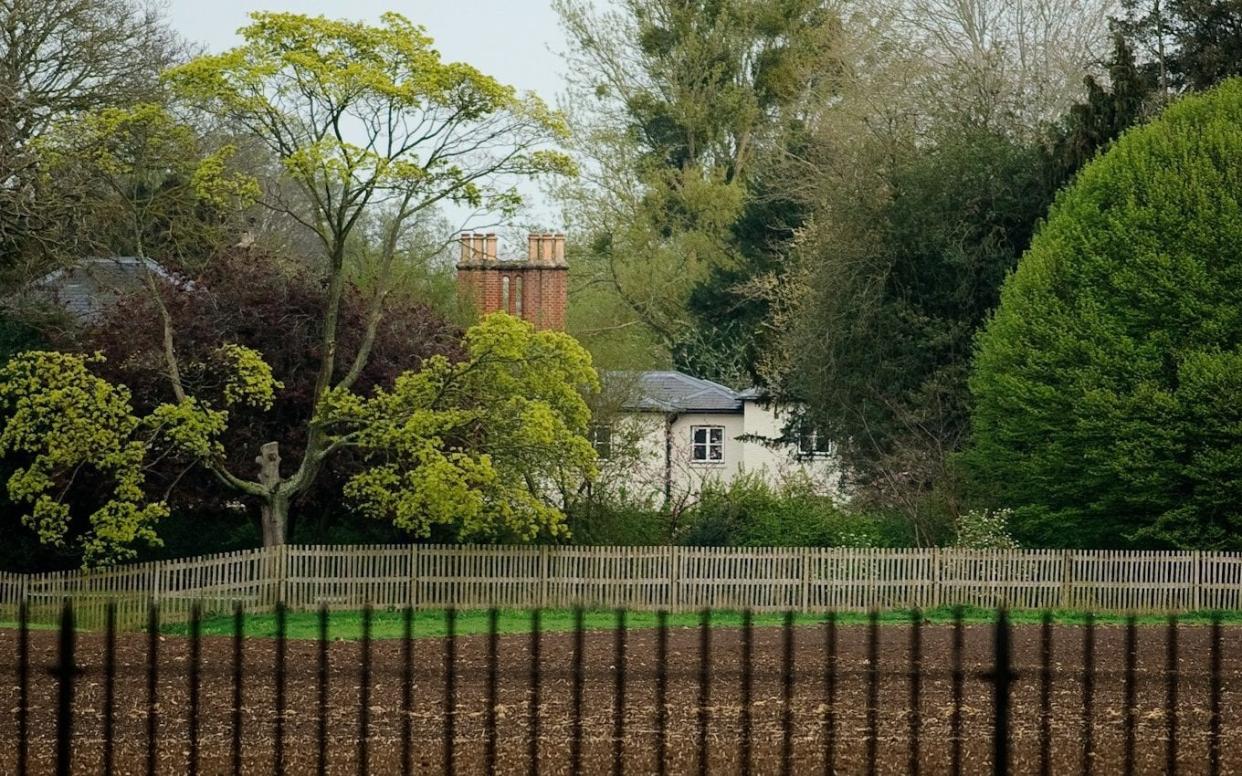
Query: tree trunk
column 274, row 514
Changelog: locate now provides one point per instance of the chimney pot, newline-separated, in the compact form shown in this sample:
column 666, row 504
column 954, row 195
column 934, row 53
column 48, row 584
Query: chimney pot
column 558, row 253
column 492, row 241
column 549, row 249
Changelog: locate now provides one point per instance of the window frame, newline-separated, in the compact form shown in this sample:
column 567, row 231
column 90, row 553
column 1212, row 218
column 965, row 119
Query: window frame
column 707, row 444
column 593, row 437
column 813, row 450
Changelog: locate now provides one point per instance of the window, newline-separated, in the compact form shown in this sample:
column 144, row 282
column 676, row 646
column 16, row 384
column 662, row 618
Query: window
column 600, row 435
column 707, row 444
column 517, row 296
column 504, row 293
column 812, row 444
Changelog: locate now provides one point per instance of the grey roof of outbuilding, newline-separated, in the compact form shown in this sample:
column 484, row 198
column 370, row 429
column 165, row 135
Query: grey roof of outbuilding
column 90, row 285
column 671, row 391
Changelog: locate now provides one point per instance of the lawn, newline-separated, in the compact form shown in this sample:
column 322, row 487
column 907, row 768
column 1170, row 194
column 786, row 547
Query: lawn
column 430, row 623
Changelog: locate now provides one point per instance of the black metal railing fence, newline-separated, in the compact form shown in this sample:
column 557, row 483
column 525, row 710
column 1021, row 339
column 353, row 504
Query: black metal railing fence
column 810, row 738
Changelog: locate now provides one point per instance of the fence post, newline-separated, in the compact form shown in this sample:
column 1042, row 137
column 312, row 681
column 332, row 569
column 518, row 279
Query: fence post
column 804, row 595
column 935, row 591
column 1197, row 580
column 543, row 577
column 157, row 579
column 282, row 574
column 412, row 595
column 1067, row 579
column 674, row 578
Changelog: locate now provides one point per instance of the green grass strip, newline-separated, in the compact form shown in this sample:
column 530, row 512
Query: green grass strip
column 429, row 623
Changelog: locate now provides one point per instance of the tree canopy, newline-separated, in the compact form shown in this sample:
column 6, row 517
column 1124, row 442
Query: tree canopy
column 1105, row 386
column 60, row 59
column 364, row 119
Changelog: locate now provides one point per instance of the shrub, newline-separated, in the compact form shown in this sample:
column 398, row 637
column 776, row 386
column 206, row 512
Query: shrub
column 750, row 513
column 985, row 529
column 1106, row 385
column 618, row 523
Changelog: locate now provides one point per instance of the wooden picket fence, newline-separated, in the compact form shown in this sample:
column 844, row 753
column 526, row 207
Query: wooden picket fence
column 639, row 578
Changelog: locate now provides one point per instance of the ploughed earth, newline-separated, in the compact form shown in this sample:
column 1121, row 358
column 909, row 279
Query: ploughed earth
column 724, row 739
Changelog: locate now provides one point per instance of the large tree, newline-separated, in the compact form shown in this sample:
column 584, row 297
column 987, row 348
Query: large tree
column 897, row 280
column 370, row 127
column 60, row 58
column 1105, row 387
column 676, row 105
column 485, row 447
column 363, row 119
column 1186, row 45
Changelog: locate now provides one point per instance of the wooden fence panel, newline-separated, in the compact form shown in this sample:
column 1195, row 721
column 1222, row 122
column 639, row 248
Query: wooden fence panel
column 467, row 576
column 641, row 578
column 345, row 577
column 1219, row 581
column 1021, row 579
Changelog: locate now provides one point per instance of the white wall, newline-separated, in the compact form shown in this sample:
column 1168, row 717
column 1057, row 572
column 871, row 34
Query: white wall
column 779, row 462
column 638, row 464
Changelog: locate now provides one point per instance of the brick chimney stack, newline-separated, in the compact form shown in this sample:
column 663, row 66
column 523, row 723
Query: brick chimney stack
column 535, row 289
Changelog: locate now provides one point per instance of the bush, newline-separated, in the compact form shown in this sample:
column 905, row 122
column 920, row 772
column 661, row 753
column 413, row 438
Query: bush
column 750, row 513
column 985, row 529
column 1106, row 385
column 617, row 523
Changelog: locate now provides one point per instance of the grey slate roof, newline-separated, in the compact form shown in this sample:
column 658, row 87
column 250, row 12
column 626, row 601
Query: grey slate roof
column 671, row 391
column 85, row 289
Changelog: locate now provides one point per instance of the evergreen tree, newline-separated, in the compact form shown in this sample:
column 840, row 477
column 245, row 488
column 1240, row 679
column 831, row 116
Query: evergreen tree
column 1105, row 386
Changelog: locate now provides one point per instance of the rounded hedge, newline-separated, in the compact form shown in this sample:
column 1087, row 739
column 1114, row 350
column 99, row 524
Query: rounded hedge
column 1107, row 387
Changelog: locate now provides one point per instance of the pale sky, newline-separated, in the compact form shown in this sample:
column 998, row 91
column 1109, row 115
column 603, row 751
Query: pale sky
column 513, row 41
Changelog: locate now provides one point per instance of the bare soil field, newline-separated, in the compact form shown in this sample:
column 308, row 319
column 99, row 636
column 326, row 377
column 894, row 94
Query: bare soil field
column 641, row 750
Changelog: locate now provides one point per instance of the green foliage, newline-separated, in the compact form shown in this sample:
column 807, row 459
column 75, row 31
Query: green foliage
column 484, row 445
column 298, row 83
column 1108, row 109
column 899, row 281
column 16, row 335
column 1106, row 384
column 63, row 420
column 676, row 106
column 617, row 522
column 248, row 378
column 985, row 529
column 71, row 433
column 1187, row 44
column 750, row 513
column 138, row 182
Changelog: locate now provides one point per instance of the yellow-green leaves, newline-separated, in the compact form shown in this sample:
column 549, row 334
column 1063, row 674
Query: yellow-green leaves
column 248, row 378
column 70, row 427
column 215, row 184
column 484, row 446
column 64, row 420
column 361, row 114
column 189, row 428
column 138, row 182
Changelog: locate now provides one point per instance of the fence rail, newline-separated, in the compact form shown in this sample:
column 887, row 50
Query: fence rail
column 638, row 578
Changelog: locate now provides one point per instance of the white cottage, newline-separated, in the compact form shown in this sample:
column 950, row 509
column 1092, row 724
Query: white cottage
column 666, row 433
column 659, row 434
